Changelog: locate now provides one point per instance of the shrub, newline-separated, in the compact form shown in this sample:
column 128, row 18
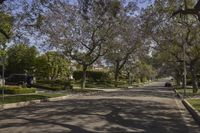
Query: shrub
column 22, row 98
column 137, row 80
column 144, row 79
column 47, row 87
column 53, row 84
column 92, row 75
column 16, row 90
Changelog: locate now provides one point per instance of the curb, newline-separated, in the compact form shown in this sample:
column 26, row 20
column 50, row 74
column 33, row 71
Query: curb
column 178, row 94
column 23, row 104
column 195, row 114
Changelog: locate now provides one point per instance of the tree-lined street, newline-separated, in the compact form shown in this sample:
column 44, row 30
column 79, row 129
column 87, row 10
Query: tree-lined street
column 149, row 109
column 98, row 56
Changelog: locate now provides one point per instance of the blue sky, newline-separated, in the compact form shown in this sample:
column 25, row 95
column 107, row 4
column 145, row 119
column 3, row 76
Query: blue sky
column 142, row 3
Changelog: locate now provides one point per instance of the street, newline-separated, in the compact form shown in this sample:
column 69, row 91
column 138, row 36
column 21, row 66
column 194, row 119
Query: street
column 149, row 109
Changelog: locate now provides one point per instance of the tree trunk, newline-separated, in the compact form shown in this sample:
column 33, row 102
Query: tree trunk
column 183, row 82
column 116, row 74
column 129, row 78
column 194, row 79
column 84, row 77
column 178, row 79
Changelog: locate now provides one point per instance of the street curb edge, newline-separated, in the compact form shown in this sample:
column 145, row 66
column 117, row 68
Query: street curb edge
column 195, row 114
column 178, row 94
column 23, row 104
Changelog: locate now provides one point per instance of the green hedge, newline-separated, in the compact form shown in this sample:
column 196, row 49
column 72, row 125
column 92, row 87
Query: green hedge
column 53, row 84
column 21, row 98
column 92, row 75
column 48, row 87
column 16, row 90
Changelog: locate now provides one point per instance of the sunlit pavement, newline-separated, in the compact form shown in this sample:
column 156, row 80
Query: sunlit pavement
column 151, row 109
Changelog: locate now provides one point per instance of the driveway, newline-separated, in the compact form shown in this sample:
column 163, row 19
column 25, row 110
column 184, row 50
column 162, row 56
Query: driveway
column 149, row 109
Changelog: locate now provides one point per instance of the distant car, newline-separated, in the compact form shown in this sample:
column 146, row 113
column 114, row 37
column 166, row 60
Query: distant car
column 20, row 79
column 168, row 84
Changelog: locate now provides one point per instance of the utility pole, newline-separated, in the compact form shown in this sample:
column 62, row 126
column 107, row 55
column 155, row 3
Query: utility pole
column 3, row 76
column 3, row 60
column 184, row 57
column 184, row 69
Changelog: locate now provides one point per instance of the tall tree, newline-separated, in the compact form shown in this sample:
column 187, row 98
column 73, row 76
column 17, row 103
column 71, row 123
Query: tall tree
column 52, row 65
column 189, row 11
column 173, row 37
column 6, row 25
column 126, row 40
column 124, row 45
column 81, row 34
column 21, row 59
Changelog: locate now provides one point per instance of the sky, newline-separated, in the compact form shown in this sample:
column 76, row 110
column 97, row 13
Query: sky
column 141, row 4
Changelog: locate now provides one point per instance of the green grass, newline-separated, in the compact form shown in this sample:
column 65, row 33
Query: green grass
column 91, row 84
column 189, row 92
column 20, row 98
column 51, row 95
column 54, row 85
column 195, row 103
column 106, row 84
column 49, row 87
column 83, row 90
column 26, row 97
column 38, row 96
column 16, row 90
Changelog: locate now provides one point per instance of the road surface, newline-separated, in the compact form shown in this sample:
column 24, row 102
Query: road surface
column 149, row 109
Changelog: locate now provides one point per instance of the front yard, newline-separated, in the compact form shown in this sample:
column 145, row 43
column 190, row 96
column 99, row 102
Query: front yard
column 192, row 98
column 14, row 98
column 26, row 97
column 189, row 92
column 15, row 94
column 195, row 103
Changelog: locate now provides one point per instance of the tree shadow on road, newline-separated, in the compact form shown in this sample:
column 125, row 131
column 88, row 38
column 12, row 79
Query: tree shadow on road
column 94, row 115
column 161, row 92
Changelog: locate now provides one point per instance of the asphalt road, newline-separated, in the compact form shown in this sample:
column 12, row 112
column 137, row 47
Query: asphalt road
column 150, row 109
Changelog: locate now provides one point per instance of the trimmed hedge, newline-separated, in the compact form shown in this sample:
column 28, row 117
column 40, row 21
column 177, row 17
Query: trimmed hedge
column 53, row 85
column 21, row 98
column 47, row 87
column 16, row 90
column 92, row 75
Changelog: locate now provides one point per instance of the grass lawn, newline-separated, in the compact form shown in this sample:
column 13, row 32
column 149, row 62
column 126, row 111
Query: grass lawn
column 51, row 95
column 38, row 96
column 90, row 84
column 195, row 103
column 20, row 98
column 28, row 97
column 104, row 85
column 83, row 91
column 189, row 92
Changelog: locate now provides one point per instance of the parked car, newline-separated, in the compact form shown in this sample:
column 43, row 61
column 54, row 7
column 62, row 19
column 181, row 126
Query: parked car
column 20, row 79
column 168, row 84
